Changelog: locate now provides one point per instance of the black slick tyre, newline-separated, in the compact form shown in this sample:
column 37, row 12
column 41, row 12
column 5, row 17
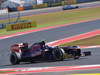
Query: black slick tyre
column 14, row 59
column 58, row 54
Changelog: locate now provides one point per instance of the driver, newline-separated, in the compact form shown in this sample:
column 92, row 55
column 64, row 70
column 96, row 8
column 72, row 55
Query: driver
column 23, row 46
column 42, row 44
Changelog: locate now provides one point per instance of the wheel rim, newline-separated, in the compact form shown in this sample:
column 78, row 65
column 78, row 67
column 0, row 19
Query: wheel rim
column 57, row 54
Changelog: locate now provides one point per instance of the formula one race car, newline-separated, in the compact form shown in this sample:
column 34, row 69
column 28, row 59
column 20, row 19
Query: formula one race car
column 67, row 7
column 39, row 52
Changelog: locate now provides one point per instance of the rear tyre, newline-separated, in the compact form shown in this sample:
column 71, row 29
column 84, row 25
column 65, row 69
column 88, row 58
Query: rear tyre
column 58, row 54
column 14, row 59
column 77, row 53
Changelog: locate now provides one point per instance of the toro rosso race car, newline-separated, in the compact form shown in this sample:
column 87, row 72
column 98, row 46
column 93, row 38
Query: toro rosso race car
column 67, row 7
column 39, row 51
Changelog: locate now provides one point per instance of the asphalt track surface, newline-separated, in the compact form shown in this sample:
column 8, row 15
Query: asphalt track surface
column 45, row 10
column 51, row 35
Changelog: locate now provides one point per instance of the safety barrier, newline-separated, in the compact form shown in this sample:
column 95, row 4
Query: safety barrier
column 56, row 4
column 69, row 2
column 20, row 25
column 40, row 6
column 72, row 1
column 12, row 9
column 77, row 1
column 27, row 7
column 82, row 1
column 20, row 8
column 64, row 2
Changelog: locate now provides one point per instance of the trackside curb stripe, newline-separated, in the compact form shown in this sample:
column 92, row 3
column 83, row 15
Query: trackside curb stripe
column 74, row 38
column 85, row 74
column 53, row 69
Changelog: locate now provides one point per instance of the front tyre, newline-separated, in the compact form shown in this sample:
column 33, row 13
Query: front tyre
column 76, row 54
column 14, row 59
column 58, row 54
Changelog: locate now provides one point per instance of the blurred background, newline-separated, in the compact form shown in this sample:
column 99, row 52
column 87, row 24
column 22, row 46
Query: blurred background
column 30, row 3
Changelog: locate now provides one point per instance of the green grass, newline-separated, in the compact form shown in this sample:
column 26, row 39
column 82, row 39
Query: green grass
column 1, row 72
column 85, row 42
column 57, row 18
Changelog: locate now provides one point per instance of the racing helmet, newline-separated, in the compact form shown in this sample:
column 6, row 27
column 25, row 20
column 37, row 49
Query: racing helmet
column 25, row 44
column 43, row 42
column 77, row 47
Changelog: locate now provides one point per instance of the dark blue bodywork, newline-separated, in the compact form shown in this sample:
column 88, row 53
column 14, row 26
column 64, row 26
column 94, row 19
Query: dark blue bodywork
column 67, row 7
column 36, row 50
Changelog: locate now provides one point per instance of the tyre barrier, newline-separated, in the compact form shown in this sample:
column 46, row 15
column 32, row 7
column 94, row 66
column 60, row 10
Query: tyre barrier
column 20, row 25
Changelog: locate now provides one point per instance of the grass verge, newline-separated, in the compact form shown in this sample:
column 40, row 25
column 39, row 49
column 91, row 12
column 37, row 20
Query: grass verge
column 85, row 42
column 2, row 72
column 57, row 18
